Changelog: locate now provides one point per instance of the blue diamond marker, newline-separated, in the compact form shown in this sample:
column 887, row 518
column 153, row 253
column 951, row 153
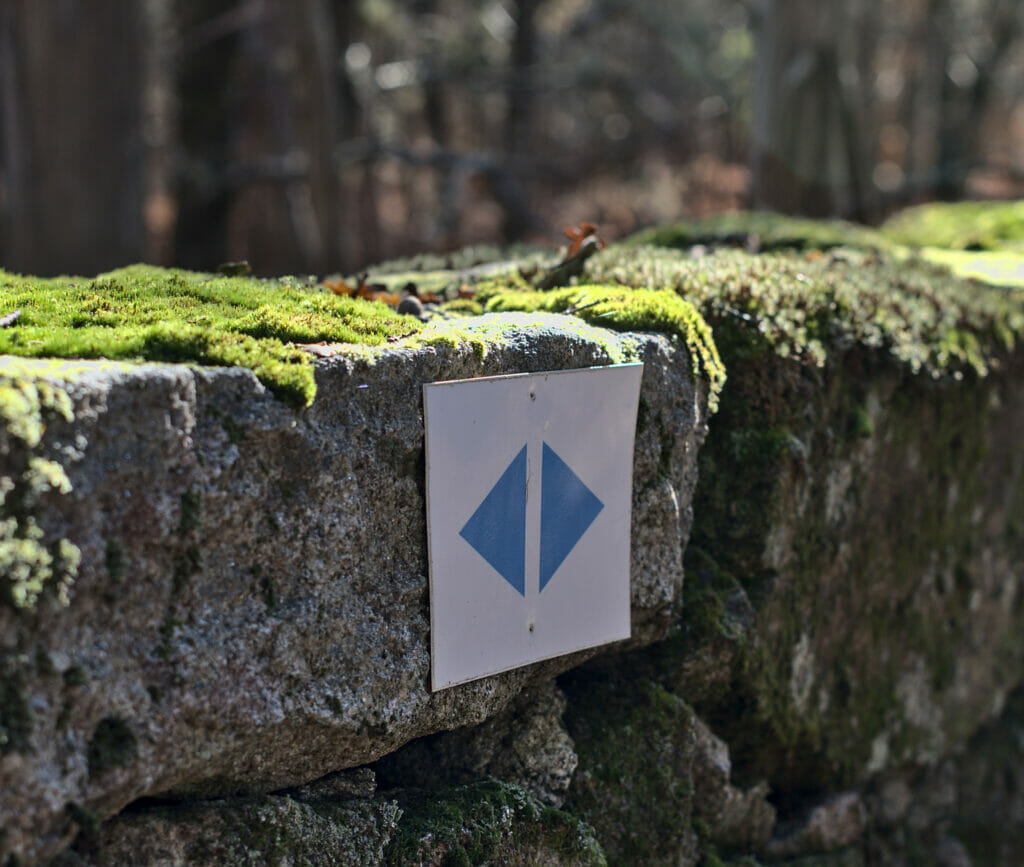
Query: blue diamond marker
column 497, row 529
column 567, row 508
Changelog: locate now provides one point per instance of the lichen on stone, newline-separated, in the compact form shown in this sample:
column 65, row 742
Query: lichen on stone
column 808, row 304
column 626, row 309
column 28, row 402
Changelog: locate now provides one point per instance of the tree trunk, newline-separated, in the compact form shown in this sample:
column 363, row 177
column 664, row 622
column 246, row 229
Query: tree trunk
column 73, row 83
column 519, row 118
column 808, row 154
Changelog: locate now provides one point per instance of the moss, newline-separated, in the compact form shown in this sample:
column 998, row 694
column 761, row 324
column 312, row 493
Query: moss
column 481, row 334
column 808, row 305
column 189, row 564
column 487, row 822
column 74, row 676
column 191, row 510
column 147, row 313
column 271, row 830
column 960, row 226
column 15, row 714
column 85, row 818
column 112, row 745
column 708, row 600
column 628, row 310
column 843, row 584
column 115, row 561
column 268, row 588
column 760, row 231
column 464, row 307
column 28, row 563
column 1000, row 268
column 824, row 353
column 635, row 742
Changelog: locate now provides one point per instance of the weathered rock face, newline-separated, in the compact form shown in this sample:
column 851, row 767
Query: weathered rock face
column 250, row 610
column 877, row 530
column 244, row 659
column 262, row 829
column 525, row 744
column 852, row 616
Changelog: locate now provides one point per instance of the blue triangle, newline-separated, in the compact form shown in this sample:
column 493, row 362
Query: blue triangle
column 497, row 529
column 567, row 508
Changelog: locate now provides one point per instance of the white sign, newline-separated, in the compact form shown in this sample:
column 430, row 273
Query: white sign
column 529, row 488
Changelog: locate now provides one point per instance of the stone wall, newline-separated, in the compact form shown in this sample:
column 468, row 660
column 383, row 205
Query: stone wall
column 250, row 610
column 241, row 672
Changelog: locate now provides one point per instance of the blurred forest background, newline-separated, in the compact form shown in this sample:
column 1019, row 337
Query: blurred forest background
column 316, row 136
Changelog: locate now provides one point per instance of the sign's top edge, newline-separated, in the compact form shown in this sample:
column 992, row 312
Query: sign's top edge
column 534, row 373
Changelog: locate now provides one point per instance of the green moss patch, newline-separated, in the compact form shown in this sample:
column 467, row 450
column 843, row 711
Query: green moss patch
column 488, row 822
column 112, row 745
column 760, row 231
column 845, row 504
column 152, row 314
column 634, row 783
column 998, row 267
column 805, row 305
column 627, row 310
column 15, row 713
column 960, row 226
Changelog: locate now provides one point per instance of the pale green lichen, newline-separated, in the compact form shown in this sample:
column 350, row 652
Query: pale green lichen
column 808, row 305
column 623, row 309
column 998, row 267
column 481, row 334
column 960, row 226
column 27, row 563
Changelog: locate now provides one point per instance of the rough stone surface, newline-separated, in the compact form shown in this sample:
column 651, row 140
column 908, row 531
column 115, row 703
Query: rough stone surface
column 526, row 744
column 831, row 825
column 251, row 606
column 654, row 781
column 488, row 822
column 876, row 534
column 839, row 684
column 634, row 783
column 246, row 831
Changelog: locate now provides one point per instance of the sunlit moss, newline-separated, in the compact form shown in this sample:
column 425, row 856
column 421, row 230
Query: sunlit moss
column 807, row 304
column 760, row 230
column 998, row 267
column 153, row 314
column 623, row 309
column 960, row 226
